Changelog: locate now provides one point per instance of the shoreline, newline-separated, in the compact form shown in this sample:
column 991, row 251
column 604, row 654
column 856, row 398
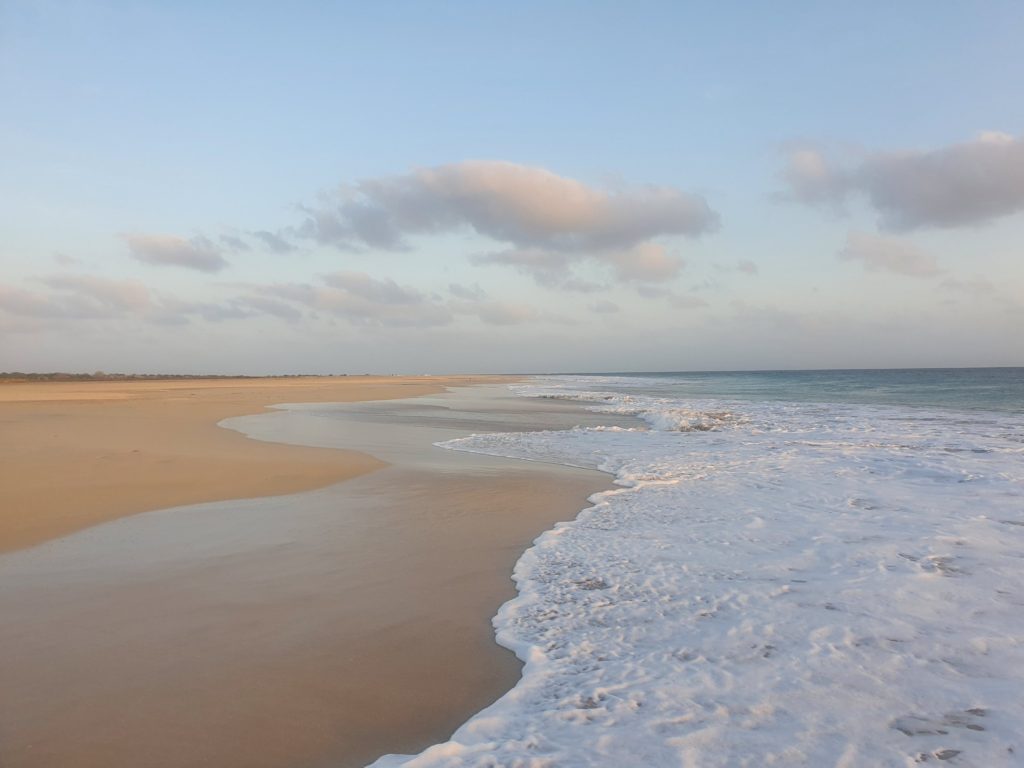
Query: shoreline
column 77, row 454
column 324, row 628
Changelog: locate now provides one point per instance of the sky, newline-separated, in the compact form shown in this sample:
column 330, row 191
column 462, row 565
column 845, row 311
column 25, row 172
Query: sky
column 408, row 187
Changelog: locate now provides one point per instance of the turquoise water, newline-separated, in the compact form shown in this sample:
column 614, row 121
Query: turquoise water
column 993, row 389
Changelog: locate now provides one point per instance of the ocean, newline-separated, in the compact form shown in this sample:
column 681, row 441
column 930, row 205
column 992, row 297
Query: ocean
column 821, row 568
column 997, row 389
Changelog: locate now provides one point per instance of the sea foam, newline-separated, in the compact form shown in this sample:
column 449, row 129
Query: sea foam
column 772, row 584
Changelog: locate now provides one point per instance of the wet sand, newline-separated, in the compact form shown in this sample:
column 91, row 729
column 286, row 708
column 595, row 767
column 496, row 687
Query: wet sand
column 319, row 629
column 74, row 454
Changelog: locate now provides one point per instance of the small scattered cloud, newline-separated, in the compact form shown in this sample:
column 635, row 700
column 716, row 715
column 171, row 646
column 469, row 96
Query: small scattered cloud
column 90, row 297
column 378, row 291
column 363, row 300
column 679, row 301
column 23, row 303
column 467, row 292
column 269, row 306
column 646, row 262
column 879, row 253
column 77, row 297
column 503, row 313
column 965, row 184
column 686, row 301
column 274, row 242
column 975, row 287
column 234, row 243
column 981, row 289
column 604, row 307
column 549, row 269
column 63, row 260
column 105, row 293
column 198, row 253
column 653, row 291
column 747, row 267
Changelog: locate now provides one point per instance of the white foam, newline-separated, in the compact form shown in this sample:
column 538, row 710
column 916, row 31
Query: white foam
column 773, row 584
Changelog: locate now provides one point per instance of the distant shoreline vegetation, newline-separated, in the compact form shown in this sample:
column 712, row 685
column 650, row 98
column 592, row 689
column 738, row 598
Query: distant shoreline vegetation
column 16, row 376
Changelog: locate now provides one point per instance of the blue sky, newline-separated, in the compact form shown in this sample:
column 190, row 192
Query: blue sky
column 838, row 151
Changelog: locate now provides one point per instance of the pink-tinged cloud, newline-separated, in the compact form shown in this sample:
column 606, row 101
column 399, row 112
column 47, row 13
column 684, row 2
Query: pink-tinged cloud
column 198, row 253
column 524, row 206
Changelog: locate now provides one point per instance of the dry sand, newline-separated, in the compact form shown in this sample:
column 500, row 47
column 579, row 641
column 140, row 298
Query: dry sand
column 80, row 453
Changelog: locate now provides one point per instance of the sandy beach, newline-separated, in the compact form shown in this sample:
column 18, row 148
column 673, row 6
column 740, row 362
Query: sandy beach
column 79, row 453
column 321, row 628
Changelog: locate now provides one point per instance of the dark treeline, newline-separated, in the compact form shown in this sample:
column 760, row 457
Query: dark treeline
column 102, row 376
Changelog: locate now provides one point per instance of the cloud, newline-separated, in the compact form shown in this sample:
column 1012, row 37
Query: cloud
column 653, row 291
column 964, row 184
column 522, row 205
column 369, row 301
column 274, row 242
column 361, row 285
column 981, row 290
column 686, row 302
column 89, row 297
column 976, row 287
column 18, row 301
column 813, row 179
column 363, row 300
column 503, row 313
column 645, row 262
column 269, row 306
column 747, row 267
column 549, row 269
column 879, row 253
column 167, row 250
column 233, row 243
column 676, row 300
column 115, row 295
column 604, row 307
column 76, row 297
column 468, row 293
